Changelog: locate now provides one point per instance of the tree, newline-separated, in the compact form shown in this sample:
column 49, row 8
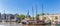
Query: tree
column 28, row 16
column 44, row 18
column 21, row 16
column 37, row 16
column 56, row 17
column 42, row 14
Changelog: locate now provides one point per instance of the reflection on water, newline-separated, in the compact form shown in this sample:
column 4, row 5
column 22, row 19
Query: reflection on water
column 41, row 25
column 19, row 24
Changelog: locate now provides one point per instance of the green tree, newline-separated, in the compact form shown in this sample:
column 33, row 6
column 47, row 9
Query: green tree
column 21, row 16
column 37, row 16
column 56, row 17
column 42, row 14
column 44, row 18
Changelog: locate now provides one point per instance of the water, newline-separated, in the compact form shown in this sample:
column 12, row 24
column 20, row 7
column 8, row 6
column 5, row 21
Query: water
column 10, row 24
column 19, row 24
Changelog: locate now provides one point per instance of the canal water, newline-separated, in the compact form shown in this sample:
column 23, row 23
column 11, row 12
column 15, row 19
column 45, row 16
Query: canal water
column 19, row 24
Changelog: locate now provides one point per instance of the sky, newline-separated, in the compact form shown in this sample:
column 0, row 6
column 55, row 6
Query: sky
column 22, row 6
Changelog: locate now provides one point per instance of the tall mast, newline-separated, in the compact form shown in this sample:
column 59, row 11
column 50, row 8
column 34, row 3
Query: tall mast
column 28, row 12
column 42, row 12
column 36, row 9
column 42, row 9
column 32, row 12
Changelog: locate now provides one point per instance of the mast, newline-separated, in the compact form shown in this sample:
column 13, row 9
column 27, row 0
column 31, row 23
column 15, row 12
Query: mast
column 28, row 13
column 36, row 9
column 42, row 12
column 42, row 9
column 32, row 12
